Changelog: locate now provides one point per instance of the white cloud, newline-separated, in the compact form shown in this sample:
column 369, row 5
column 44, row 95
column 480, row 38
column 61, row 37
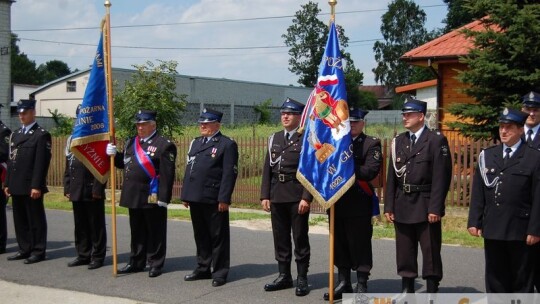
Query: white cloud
column 262, row 65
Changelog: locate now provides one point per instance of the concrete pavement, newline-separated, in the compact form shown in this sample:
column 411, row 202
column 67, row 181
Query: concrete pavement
column 252, row 265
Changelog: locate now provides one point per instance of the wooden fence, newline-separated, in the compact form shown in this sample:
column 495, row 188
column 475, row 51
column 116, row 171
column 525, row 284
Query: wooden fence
column 252, row 151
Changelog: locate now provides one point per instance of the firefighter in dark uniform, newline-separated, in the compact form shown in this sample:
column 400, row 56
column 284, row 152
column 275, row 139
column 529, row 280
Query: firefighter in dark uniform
column 26, row 183
column 148, row 161
column 5, row 132
column 531, row 105
column 87, row 195
column 353, row 212
column 418, row 180
column 505, row 207
column 287, row 200
column 211, row 171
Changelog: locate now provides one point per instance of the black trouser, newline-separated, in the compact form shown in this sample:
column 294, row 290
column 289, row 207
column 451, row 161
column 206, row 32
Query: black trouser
column 408, row 236
column 30, row 225
column 148, row 236
column 90, row 231
column 509, row 266
column 3, row 221
column 285, row 218
column 352, row 243
column 537, row 268
column 212, row 238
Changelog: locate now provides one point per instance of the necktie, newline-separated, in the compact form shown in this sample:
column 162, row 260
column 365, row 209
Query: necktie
column 204, row 140
column 287, row 136
column 529, row 136
column 507, row 155
column 413, row 140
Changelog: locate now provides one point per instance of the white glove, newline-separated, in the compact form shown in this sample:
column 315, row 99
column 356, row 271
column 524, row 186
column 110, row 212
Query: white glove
column 162, row 204
column 111, row 149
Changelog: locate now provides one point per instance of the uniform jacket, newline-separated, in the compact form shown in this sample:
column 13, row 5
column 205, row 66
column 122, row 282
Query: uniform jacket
column 79, row 182
column 136, row 183
column 510, row 210
column 211, row 170
column 367, row 164
column 30, row 156
column 5, row 132
column 535, row 142
column 429, row 163
column 283, row 158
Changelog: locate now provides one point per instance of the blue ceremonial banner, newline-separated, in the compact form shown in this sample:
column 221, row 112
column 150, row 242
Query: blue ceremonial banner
column 91, row 131
column 326, row 167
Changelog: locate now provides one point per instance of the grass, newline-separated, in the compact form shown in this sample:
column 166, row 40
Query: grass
column 454, row 223
column 454, row 228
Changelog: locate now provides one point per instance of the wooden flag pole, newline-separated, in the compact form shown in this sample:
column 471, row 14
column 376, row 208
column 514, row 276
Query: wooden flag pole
column 331, row 258
column 108, row 81
column 332, row 4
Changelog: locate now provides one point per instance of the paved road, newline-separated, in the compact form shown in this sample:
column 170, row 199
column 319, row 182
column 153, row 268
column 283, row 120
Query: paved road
column 252, row 265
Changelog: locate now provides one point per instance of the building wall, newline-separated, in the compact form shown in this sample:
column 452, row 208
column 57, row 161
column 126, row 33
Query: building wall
column 236, row 99
column 452, row 91
column 5, row 58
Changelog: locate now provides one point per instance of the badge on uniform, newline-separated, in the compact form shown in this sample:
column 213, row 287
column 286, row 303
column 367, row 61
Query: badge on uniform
column 171, row 157
column 214, row 151
column 152, row 148
column 444, row 150
column 376, row 154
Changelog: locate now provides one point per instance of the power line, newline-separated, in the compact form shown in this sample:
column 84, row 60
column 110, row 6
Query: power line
column 203, row 22
column 177, row 48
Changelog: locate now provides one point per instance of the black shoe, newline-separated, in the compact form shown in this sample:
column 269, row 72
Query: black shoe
column 129, row 268
column 95, row 265
column 407, row 285
column 343, row 287
column 154, row 272
column 78, row 262
column 34, row 259
column 361, row 287
column 18, row 256
column 302, row 287
column 2, row 250
column 218, row 282
column 432, row 286
column 283, row 281
column 198, row 276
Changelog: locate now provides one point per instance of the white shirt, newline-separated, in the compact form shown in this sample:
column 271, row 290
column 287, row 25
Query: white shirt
column 28, row 127
column 514, row 148
column 534, row 129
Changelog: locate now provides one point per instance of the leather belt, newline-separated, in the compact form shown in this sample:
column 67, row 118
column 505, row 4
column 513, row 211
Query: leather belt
column 284, row 177
column 409, row 188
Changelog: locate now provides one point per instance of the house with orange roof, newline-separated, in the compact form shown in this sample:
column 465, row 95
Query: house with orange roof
column 441, row 55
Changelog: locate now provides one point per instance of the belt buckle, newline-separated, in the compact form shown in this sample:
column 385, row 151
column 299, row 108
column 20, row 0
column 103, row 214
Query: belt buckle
column 407, row 188
column 281, row 177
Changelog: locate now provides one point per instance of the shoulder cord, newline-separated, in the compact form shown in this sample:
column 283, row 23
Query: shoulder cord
column 482, row 168
column 401, row 171
column 270, row 143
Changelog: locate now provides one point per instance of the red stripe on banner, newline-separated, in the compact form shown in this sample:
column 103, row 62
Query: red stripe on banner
column 93, row 153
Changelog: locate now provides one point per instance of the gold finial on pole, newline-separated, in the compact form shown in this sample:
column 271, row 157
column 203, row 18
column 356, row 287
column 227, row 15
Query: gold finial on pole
column 332, row 8
column 107, row 3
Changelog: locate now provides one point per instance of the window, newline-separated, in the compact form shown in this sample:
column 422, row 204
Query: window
column 71, row 86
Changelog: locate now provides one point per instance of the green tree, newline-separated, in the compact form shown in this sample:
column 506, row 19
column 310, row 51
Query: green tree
column 152, row 87
column 306, row 38
column 63, row 123
column 23, row 70
column 459, row 14
column 402, row 30
column 52, row 70
column 503, row 65
column 353, row 79
column 264, row 111
column 367, row 100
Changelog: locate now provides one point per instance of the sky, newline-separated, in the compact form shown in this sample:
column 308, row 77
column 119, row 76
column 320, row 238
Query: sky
column 205, row 37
